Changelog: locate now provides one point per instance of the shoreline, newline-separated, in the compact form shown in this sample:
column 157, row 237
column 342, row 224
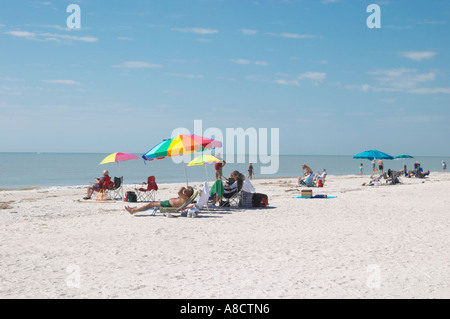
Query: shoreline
column 69, row 187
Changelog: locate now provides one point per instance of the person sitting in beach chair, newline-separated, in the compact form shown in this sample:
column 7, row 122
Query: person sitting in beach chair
column 184, row 194
column 100, row 183
column 218, row 192
column 393, row 177
column 308, row 181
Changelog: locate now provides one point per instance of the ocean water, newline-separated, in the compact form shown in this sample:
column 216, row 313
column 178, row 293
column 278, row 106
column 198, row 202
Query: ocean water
column 22, row 170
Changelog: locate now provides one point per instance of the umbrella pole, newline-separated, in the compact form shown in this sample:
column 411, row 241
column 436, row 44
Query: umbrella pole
column 206, row 171
column 185, row 173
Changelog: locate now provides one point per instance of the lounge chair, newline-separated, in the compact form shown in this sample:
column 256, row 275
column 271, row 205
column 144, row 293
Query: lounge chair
column 376, row 181
column 147, row 191
column 169, row 210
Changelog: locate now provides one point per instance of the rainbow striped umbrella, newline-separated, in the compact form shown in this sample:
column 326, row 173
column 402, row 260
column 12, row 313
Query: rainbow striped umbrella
column 181, row 145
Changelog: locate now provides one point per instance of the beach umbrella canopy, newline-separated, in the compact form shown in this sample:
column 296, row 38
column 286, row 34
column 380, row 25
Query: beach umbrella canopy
column 118, row 157
column 373, row 154
column 404, row 156
column 181, row 145
column 204, row 159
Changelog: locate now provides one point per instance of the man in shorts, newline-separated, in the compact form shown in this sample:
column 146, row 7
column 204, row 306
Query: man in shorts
column 183, row 196
column 381, row 166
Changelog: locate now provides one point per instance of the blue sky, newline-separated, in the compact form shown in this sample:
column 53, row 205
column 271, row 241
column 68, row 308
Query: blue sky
column 136, row 70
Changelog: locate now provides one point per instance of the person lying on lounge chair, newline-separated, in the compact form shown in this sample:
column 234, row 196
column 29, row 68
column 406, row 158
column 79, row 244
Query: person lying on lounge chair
column 183, row 196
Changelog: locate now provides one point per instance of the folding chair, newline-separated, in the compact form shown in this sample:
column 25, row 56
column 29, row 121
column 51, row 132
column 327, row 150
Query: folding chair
column 116, row 191
column 148, row 193
column 235, row 198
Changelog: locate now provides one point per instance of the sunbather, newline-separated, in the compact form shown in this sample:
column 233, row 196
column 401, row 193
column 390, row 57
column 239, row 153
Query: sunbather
column 183, row 196
column 98, row 185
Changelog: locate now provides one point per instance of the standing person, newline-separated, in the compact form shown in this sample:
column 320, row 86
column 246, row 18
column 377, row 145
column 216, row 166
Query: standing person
column 374, row 169
column 250, row 171
column 444, row 166
column 361, row 167
column 381, row 166
column 219, row 166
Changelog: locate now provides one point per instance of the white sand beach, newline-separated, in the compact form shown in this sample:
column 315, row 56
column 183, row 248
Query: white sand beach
column 369, row 242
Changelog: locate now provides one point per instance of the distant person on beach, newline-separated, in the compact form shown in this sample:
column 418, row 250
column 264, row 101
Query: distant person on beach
column 361, row 167
column 381, row 166
column 250, row 171
column 374, row 169
column 183, row 196
column 218, row 167
column 444, row 166
column 97, row 186
column 307, row 171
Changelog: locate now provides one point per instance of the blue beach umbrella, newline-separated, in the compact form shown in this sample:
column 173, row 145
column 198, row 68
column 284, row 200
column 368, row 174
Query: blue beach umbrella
column 404, row 156
column 373, row 154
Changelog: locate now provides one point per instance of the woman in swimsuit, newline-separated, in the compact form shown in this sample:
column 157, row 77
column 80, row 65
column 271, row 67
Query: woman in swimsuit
column 250, row 171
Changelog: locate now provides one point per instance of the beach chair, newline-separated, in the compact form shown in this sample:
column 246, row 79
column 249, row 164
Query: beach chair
column 393, row 177
column 147, row 191
column 376, row 181
column 169, row 210
column 115, row 191
column 234, row 199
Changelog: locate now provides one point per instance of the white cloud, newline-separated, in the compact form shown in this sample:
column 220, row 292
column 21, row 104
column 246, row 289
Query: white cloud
column 247, row 62
column 314, row 77
column 402, row 80
column 293, row 35
column 137, row 65
column 186, row 76
column 248, row 32
column 240, row 61
column 202, row 31
column 24, row 34
column 11, row 79
column 418, row 55
column 50, row 36
column 65, row 82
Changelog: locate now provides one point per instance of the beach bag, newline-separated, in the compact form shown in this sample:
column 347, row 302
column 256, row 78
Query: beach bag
column 131, row 197
column 246, row 199
column 101, row 196
column 260, row 200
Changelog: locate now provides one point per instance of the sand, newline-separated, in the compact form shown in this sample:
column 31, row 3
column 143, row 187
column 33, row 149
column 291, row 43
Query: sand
column 369, row 242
